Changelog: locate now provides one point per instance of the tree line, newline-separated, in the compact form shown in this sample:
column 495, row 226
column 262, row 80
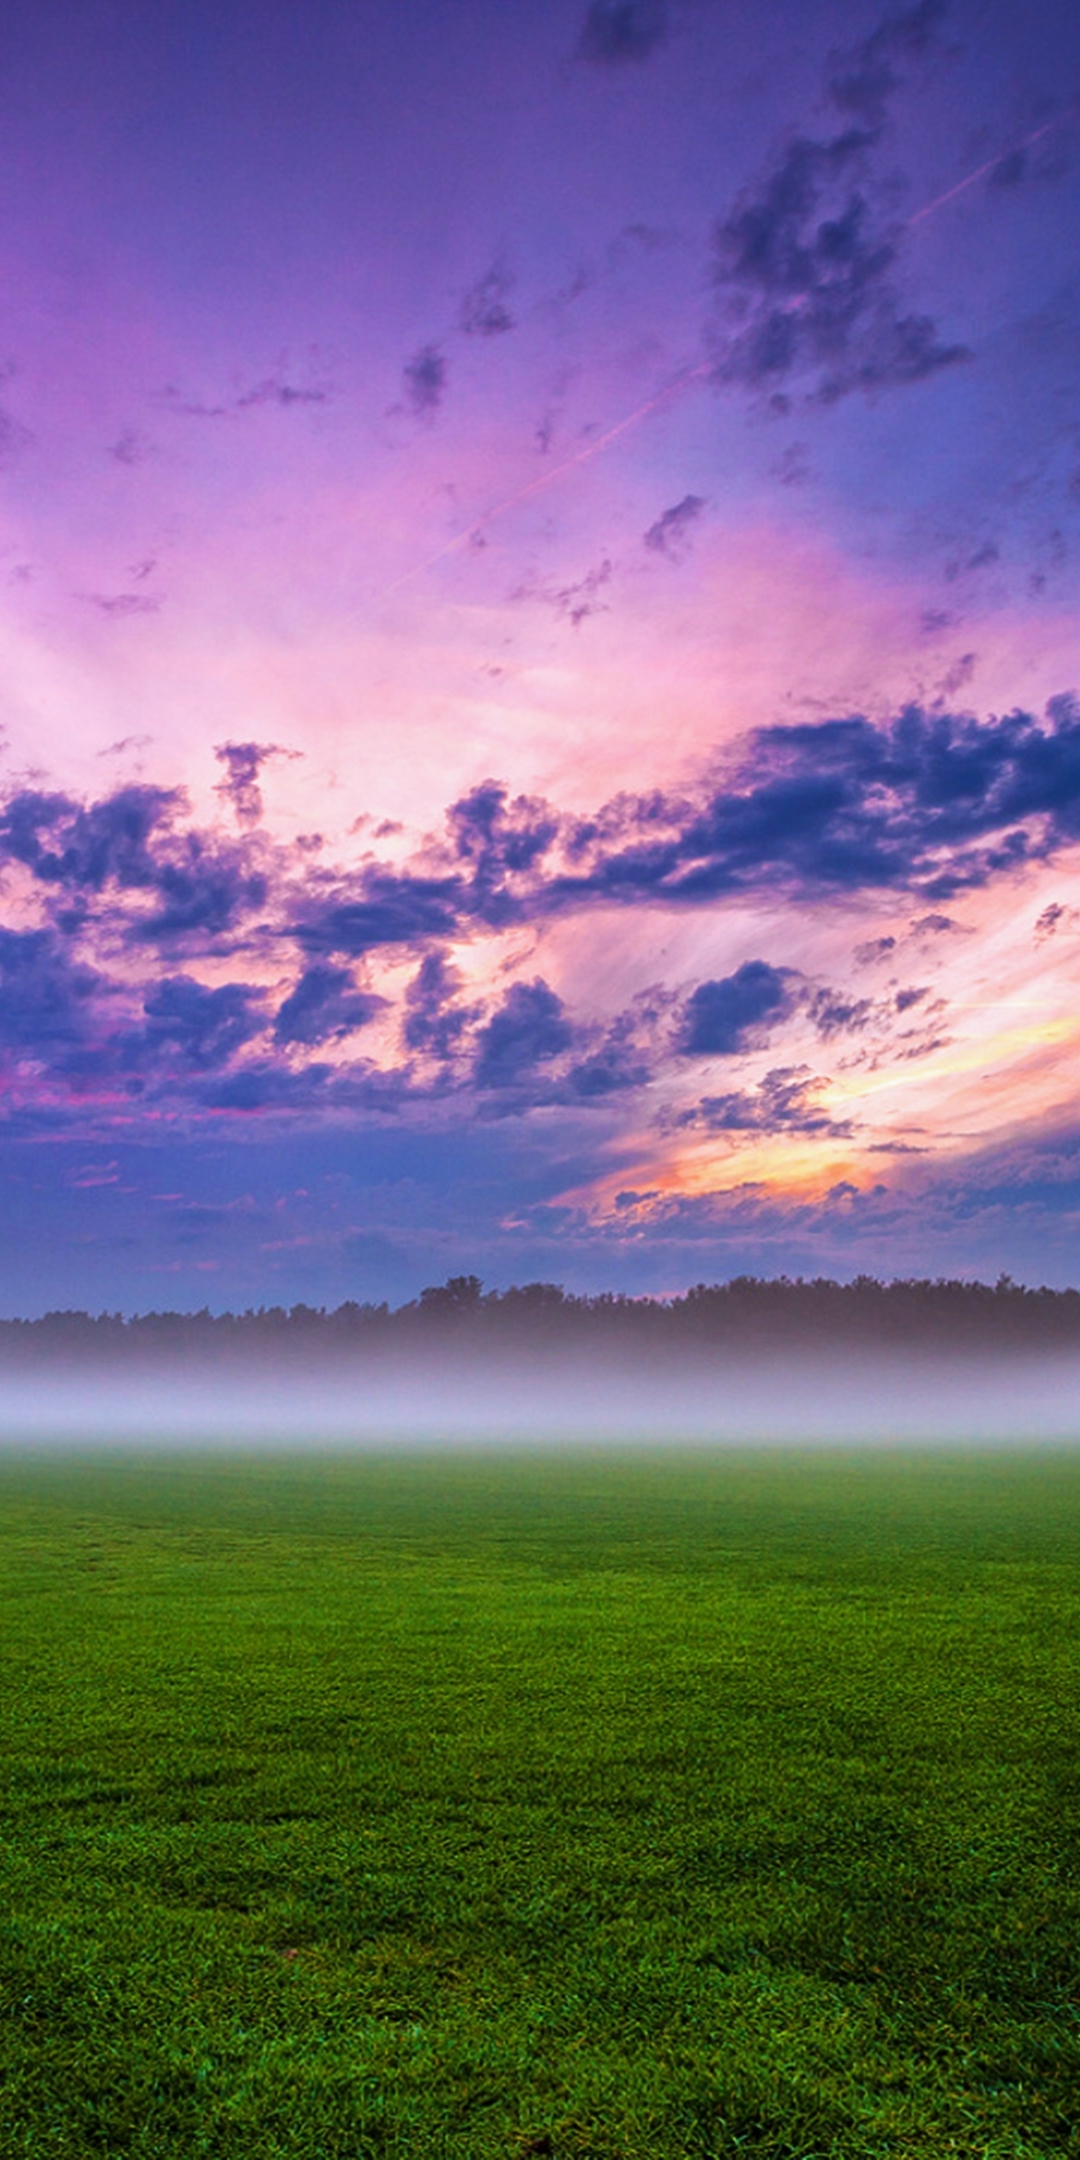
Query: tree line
column 746, row 1313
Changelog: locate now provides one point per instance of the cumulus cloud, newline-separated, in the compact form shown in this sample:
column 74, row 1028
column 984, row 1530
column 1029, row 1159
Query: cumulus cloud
column 324, row 1006
column 243, row 762
column 804, row 266
column 616, row 31
column 785, row 1101
column 864, row 77
column 46, row 999
column 496, row 837
column 434, row 1019
column 929, row 801
column 381, row 907
column 671, row 533
column 485, row 309
column 721, row 1017
column 575, row 602
column 919, row 805
column 805, row 262
column 132, row 842
column 528, row 1029
column 202, row 1027
column 424, row 378
column 117, row 606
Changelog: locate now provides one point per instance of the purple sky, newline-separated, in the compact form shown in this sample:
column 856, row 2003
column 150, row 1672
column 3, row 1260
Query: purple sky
column 540, row 645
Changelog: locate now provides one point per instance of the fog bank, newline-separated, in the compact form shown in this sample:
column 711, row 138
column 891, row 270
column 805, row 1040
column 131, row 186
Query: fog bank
column 453, row 1398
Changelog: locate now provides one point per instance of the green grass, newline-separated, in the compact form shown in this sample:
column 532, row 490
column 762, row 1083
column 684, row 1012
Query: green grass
column 636, row 1808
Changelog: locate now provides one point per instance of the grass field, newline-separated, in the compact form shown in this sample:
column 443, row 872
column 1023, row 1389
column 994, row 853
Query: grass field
column 614, row 1807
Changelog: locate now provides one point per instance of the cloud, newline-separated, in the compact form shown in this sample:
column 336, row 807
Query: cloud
column 131, row 448
column 389, row 908
column 930, row 801
column 720, row 1016
column 325, row 1005
column 670, row 535
column 118, row 606
column 485, row 310
column 47, row 998
column 785, row 1101
column 873, row 949
column 617, row 1065
column 272, row 390
column 864, row 77
column 88, row 845
column 498, row 838
column 1053, row 918
column 275, row 391
column 201, row 1027
column 243, row 762
column 833, row 1014
column 424, row 377
column 434, row 1022
column 615, row 31
column 131, row 842
column 528, row 1029
column 803, row 265
column 574, row 603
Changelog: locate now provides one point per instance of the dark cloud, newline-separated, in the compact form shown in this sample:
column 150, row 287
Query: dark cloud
column 130, row 448
column 578, row 602
column 243, row 762
column 833, row 1014
column 131, row 842
column 89, row 845
column 805, row 263
column 117, row 606
column 45, row 997
column 874, row 949
column 485, row 310
column 804, row 266
column 1052, row 919
column 615, row 31
column 670, row 535
column 201, row 1027
column 272, row 390
column 424, row 377
column 266, row 1084
column 864, row 78
column 275, row 391
column 498, row 838
column 528, row 1029
column 324, row 1006
column 785, row 1101
column 434, row 1021
column 203, row 891
column 930, row 800
column 385, row 907
column 617, row 1065
column 721, row 1016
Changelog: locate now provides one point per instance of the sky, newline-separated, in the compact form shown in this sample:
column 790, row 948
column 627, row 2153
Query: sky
column 539, row 645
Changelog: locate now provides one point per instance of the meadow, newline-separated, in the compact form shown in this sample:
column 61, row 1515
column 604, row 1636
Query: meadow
column 622, row 1807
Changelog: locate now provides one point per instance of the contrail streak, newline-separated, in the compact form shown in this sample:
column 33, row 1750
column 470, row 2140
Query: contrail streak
column 683, row 380
column 981, row 171
column 673, row 388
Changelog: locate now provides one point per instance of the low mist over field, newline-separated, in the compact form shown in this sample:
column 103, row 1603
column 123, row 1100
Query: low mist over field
column 748, row 1361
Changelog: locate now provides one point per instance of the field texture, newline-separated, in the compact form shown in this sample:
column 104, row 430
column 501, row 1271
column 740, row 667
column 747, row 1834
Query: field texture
column 623, row 1808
